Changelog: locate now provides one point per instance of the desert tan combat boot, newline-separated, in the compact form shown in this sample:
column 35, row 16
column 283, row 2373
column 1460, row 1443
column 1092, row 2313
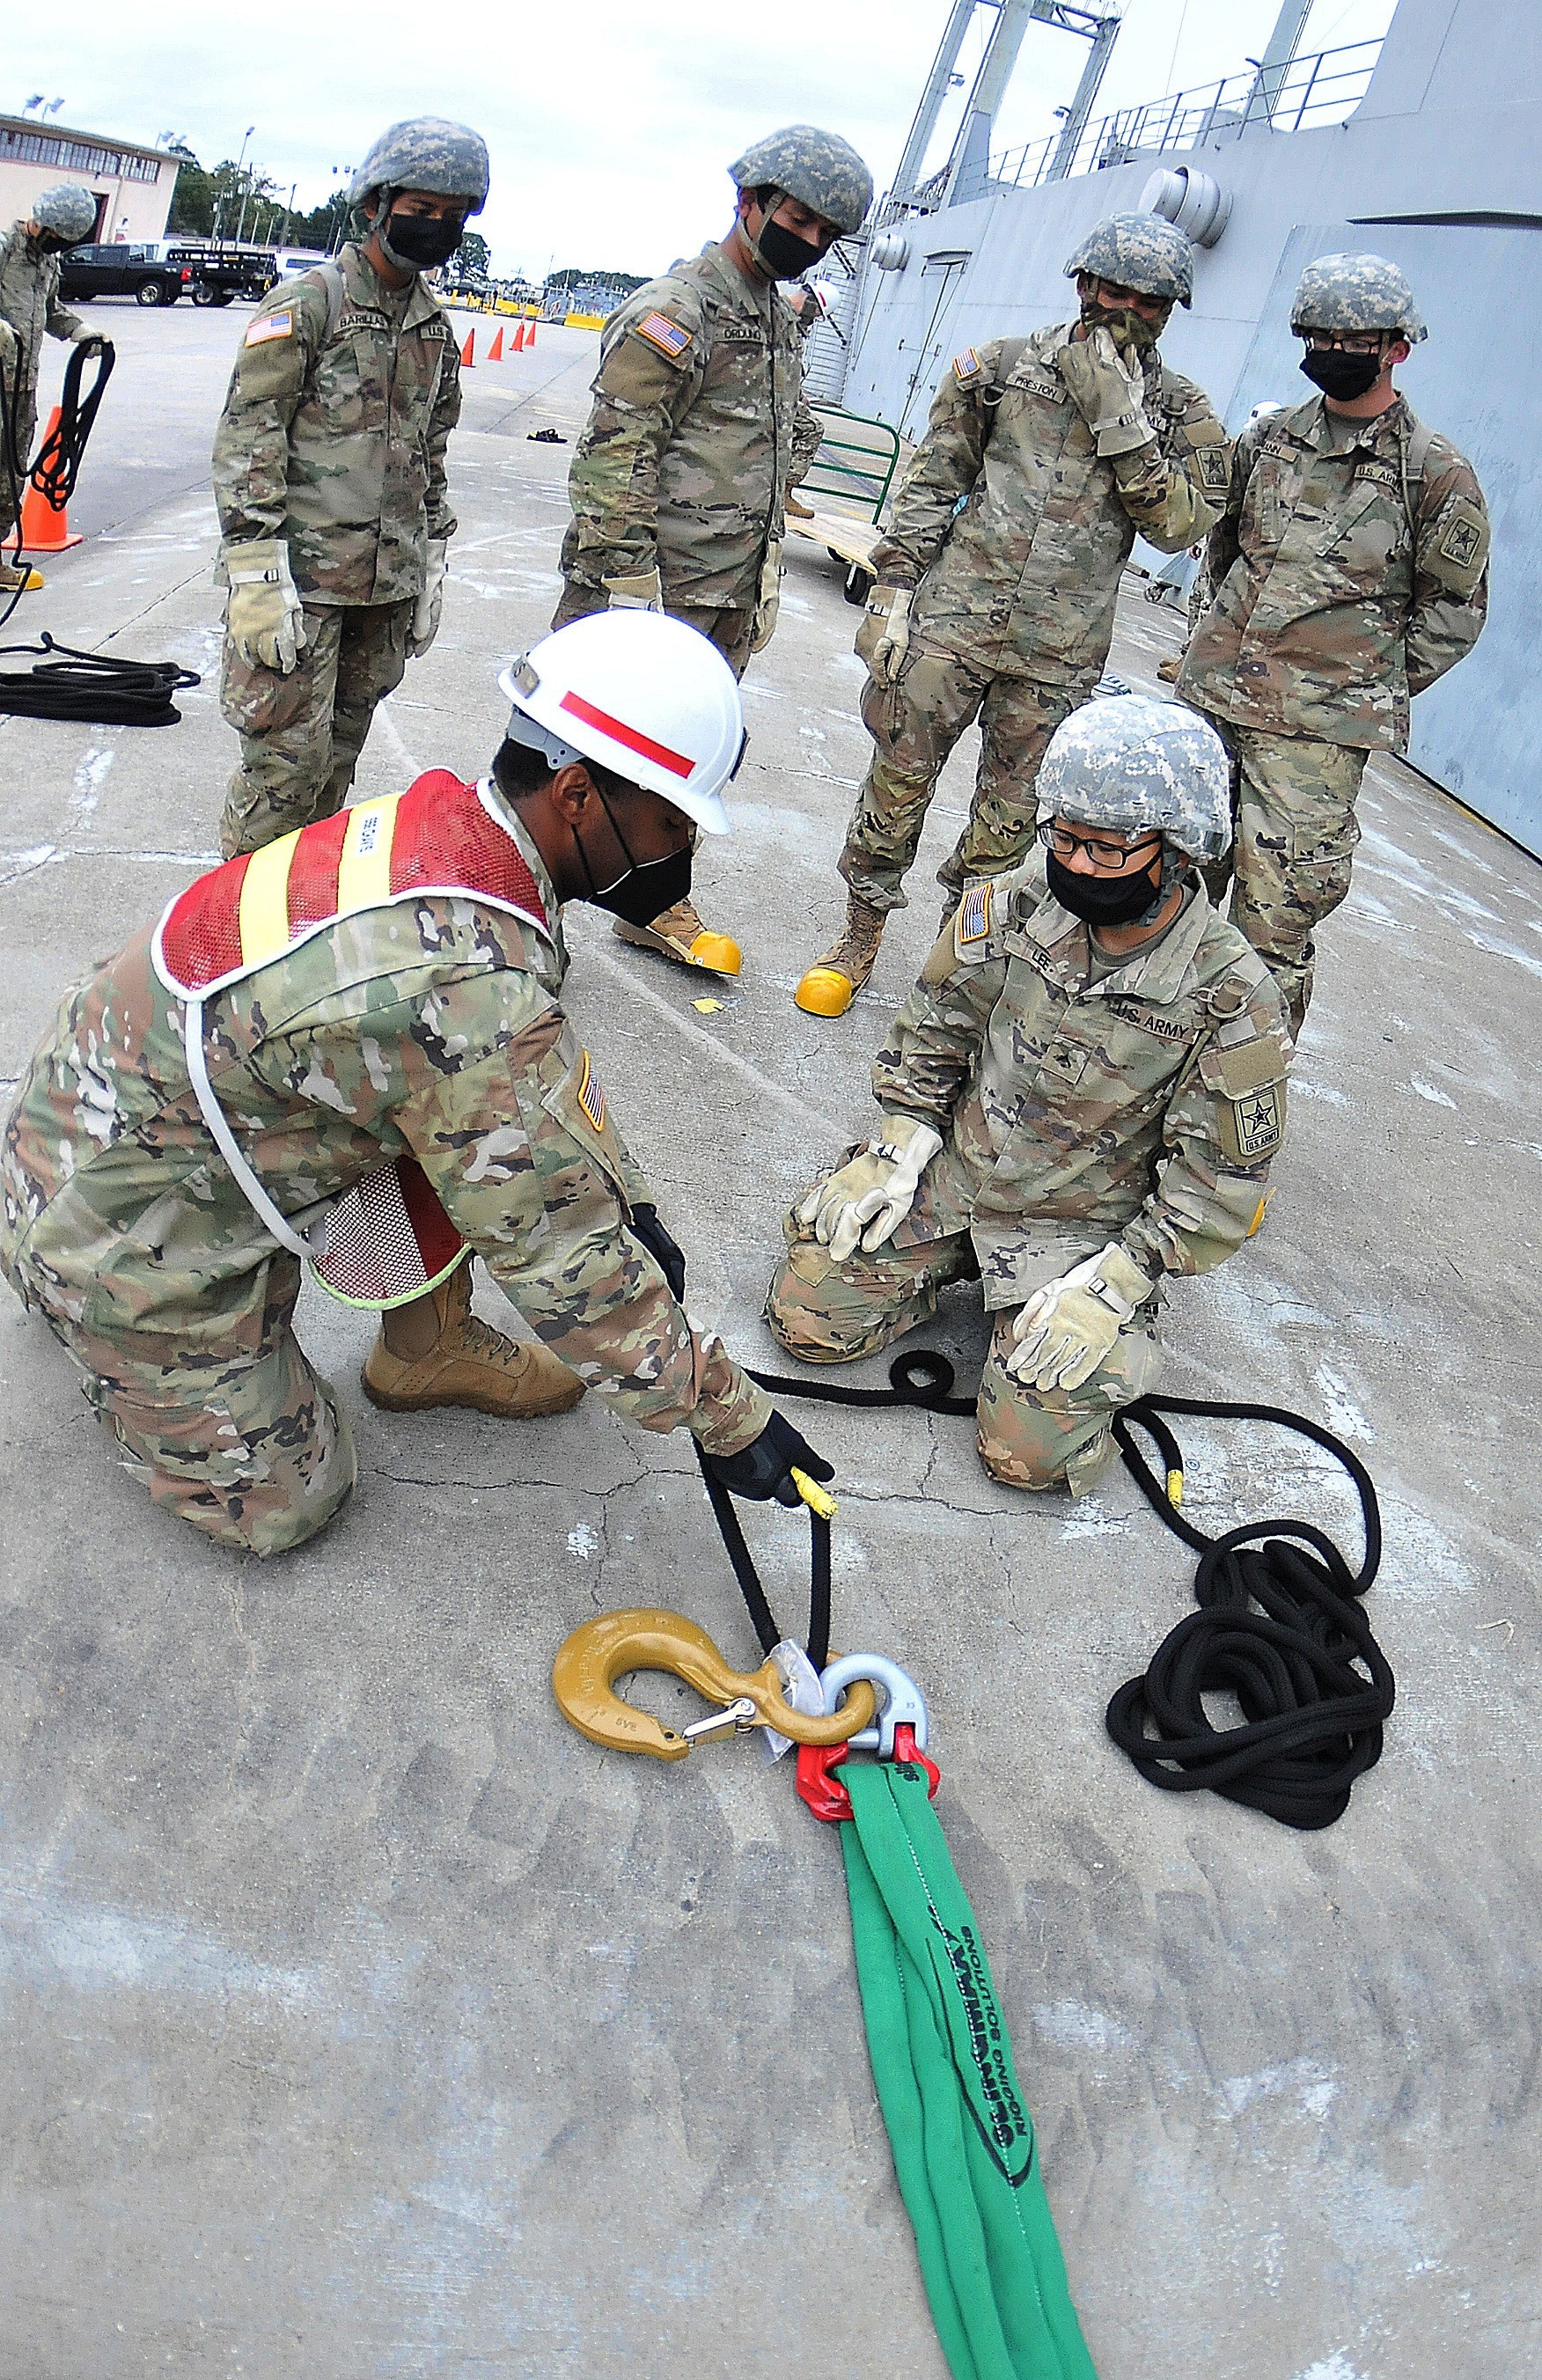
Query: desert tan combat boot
column 436, row 1352
column 680, row 934
column 834, row 980
column 24, row 580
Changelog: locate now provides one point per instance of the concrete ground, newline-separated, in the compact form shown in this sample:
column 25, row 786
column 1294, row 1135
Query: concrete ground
column 360, row 2020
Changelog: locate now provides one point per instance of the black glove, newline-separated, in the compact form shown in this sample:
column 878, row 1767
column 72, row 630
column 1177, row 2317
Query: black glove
column 764, row 1467
column 665, row 1251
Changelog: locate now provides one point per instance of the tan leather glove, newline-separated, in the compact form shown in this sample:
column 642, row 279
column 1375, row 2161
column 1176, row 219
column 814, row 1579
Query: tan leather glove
column 1108, row 393
column 644, row 592
column 769, row 601
column 429, row 604
column 884, row 638
column 265, row 614
column 869, row 1197
column 1068, row 1326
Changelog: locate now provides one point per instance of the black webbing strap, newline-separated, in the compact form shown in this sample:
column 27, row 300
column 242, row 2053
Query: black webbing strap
column 762, row 1618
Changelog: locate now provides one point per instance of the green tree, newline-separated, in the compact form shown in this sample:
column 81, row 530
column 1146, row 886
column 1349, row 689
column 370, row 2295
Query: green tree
column 473, row 258
column 572, row 275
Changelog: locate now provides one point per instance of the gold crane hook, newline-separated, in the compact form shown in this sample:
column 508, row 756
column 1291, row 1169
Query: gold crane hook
column 595, row 1656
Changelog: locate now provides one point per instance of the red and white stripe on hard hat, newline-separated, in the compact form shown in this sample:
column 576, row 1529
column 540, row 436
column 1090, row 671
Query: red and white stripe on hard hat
column 678, row 763
column 641, row 694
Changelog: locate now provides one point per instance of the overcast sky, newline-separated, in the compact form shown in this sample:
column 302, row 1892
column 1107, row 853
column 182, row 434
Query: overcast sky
column 610, row 124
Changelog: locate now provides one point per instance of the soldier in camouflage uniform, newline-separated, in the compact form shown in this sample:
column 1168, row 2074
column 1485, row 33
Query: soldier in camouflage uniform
column 679, row 482
column 403, row 1015
column 1350, row 570
column 996, row 575
column 29, row 270
column 329, row 475
column 1081, row 1097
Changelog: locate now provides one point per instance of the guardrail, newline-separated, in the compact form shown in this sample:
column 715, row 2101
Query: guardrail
column 1321, row 90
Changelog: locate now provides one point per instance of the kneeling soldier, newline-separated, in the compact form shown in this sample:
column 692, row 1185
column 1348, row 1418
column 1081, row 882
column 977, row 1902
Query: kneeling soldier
column 1081, row 1095
column 350, row 1045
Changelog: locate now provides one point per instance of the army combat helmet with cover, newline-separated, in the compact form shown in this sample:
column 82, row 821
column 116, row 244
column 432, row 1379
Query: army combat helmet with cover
column 820, row 170
column 1353, row 296
column 67, row 210
column 426, row 153
column 1142, row 252
column 1132, row 765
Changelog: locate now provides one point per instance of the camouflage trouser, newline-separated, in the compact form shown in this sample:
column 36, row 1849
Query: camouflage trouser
column 301, row 734
column 915, row 724
column 825, row 1313
column 728, row 629
column 246, row 1441
column 1293, row 809
column 25, row 411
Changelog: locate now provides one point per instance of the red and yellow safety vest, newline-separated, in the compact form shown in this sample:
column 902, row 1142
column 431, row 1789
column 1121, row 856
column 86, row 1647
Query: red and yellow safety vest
column 440, row 836
column 387, row 1239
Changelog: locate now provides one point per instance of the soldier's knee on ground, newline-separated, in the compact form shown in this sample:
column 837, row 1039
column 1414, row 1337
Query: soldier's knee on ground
column 826, row 1313
column 260, row 1463
column 1060, row 1437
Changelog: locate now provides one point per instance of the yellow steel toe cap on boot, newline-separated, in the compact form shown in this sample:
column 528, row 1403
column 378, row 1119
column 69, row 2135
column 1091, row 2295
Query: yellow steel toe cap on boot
column 679, row 934
column 825, row 991
column 721, row 952
column 23, row 580
column 469, row 1363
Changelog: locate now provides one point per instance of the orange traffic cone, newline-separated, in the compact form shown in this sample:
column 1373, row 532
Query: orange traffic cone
column 468, row 352
column 518, row 339
column 43, row 530
column 531, row 340
column 495, row 352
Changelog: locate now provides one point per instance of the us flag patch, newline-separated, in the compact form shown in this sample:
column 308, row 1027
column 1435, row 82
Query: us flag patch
column 592, row 1099
column 974, row 914
column 967, row 365
column 669, row 337
column 270, row 326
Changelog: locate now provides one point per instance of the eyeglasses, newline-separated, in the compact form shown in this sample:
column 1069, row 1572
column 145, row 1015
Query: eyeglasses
column 1351, row 344
column 1111, row 858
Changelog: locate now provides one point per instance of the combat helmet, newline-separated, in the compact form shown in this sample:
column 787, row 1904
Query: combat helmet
column 818, row 169
column 1142, row 252
column 426, row 153
column 1130, row 764
column 66, row 210
column 1355, row 294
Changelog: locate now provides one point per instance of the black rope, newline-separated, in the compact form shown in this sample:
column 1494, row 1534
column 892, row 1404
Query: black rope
column 92, row 686
column 762, row 1618
column 1279, row 1624
column 56, row 465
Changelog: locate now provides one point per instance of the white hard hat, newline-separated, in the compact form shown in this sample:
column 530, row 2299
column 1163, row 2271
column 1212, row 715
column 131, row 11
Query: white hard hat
column 640, row 693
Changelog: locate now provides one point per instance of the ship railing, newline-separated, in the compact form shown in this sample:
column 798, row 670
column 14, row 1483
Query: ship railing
column 1324, row 88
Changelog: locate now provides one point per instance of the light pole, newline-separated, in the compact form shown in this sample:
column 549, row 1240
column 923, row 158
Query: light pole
column 239, row 163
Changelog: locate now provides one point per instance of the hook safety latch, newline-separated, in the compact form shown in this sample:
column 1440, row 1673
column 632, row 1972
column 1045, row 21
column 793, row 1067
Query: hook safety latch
column 585, row 1672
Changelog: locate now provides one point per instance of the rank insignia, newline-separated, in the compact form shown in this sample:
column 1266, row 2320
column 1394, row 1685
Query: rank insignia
column 592, row 1099
column 670, row 338
column 270, row 326
column 974, row 914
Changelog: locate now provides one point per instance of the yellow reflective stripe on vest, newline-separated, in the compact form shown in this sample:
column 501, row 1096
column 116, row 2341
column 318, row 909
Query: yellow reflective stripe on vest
column 364, row 871
column 263, row 917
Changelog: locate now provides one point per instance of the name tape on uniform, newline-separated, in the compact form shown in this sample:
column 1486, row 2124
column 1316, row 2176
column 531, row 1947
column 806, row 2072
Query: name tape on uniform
column 270, row 326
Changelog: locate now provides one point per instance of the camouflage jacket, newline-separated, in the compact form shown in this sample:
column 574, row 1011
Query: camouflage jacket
column 434, row 1026
column 1142, row 1103
column 30, row 297
column 1023, row 577
column 334, row 433
column 1346, row 580
column 693, row 438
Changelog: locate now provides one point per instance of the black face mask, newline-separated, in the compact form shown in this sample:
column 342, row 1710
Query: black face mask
column 53, row 243
column 1340, row 375
column 417, row 243
column 1101, row 900
column 782, row 254
column 646, row 887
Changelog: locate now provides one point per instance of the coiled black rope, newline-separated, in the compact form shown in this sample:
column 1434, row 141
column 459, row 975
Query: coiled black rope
column 92, row 686
column 56, row 465
column 1280, row 1627
column 1279, row 1624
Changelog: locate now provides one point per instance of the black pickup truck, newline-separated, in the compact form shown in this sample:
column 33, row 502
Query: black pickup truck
column 162, row 270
